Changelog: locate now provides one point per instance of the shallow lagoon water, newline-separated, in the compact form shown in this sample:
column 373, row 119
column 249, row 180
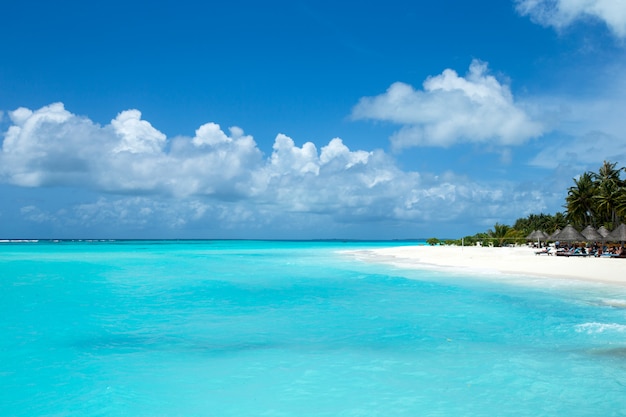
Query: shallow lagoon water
column 249, row 328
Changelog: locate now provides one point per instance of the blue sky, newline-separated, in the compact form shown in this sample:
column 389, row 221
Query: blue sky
column 302, row 119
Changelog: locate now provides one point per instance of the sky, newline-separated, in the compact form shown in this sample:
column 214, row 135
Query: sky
column 302, row 119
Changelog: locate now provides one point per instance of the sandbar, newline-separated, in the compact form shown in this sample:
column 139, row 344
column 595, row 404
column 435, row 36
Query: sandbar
column 518, row 261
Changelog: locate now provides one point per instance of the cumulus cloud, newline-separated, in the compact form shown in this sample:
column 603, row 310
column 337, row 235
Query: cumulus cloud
column 136, row 135
column 141, row 177
column 287, row 158
column 51, row 146
column 562, row 13
column 451, row 109
column 46, row 147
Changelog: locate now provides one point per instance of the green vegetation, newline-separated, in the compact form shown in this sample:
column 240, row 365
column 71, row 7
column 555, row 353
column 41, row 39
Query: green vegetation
column 596, row 199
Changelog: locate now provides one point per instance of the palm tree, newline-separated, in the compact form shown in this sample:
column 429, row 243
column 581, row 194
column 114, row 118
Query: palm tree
column 558, row 221
column 607, row 173
column 499, row 233
column 580, row 200
column 606, row 201
column 609, row 187
column 620, row 204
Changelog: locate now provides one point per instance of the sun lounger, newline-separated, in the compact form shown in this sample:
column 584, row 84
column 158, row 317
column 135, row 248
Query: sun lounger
column 544, row 251
column 576, row 253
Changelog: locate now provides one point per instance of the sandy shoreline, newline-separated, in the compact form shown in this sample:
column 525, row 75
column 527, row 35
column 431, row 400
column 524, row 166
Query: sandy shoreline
column 487, row 260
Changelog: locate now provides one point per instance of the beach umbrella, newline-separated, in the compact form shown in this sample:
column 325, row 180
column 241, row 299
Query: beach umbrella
column 569, row 234
column 537, row 235
column 617, row 235
column 554, row 235
column 591, row 234
column 603, row 231
column 532, row 235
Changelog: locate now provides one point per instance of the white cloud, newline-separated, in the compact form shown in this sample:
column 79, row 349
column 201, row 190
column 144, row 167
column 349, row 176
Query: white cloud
column 337, row 151
column 289, row 159
column 451, row 109
column 210, row 134
column 137, row 136
column 562, row 13
column 51, row 146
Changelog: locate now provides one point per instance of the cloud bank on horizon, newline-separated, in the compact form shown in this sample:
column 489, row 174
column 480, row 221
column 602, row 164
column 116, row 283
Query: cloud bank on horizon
column 215, row 170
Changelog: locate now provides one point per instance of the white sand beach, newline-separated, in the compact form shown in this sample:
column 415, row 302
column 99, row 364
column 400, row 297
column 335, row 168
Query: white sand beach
column 507, row 260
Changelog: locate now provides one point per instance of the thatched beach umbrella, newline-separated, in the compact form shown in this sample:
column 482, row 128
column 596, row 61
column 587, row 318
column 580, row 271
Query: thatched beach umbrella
column 536, row 235
column 553, row 236
column 569, row 234
column 617, row 235
column 591, row 234
column 603, row 231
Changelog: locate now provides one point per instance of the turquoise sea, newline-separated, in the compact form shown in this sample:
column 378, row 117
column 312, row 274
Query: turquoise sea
column 256, row 328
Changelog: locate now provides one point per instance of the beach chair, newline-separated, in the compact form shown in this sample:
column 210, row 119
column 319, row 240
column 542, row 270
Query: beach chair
column 580, row 253
column 544, row 251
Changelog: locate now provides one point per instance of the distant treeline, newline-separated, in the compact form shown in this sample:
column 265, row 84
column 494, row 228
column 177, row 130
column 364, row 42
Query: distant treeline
column 596, row 199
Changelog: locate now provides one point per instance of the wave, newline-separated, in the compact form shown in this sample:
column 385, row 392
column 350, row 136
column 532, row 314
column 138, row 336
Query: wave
column 595, row 327
column 613, row 302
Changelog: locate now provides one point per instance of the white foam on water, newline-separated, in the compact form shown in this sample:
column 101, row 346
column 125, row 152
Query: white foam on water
column 618, row 303
column 595, row 327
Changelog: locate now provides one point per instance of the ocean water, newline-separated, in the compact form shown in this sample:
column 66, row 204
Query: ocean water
column 247, row 328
